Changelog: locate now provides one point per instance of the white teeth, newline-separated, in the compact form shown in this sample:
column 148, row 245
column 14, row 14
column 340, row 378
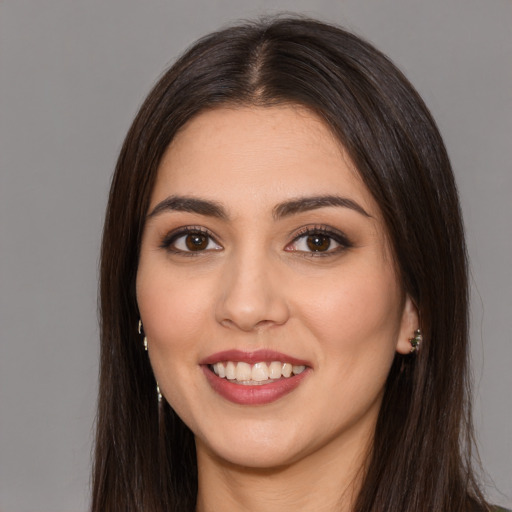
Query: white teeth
column 287, row 369
column 275, row 370
column 259, row 372
column 230, row 370
column 243, row 371
column 219, row 369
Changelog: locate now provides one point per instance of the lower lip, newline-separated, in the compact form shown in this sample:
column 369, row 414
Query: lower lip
column 253, row 394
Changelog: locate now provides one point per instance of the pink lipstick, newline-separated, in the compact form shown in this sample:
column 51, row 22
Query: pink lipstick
column 274, row 375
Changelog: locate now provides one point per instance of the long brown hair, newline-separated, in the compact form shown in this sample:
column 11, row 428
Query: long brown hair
column 421, row 459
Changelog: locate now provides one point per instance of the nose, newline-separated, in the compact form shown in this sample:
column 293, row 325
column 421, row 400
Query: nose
column 252, row 296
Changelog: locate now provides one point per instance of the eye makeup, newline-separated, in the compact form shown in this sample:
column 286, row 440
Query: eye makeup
column 190, row 241
column 314, row 241
column 319, row 241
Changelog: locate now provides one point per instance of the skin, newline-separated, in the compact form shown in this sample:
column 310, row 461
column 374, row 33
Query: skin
column 257, row 285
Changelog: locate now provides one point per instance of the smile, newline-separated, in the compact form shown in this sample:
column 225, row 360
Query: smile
column 255, row 374
column 254, row 378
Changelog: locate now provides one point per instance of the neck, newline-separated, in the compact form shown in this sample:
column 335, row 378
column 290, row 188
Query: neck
column 326, row 481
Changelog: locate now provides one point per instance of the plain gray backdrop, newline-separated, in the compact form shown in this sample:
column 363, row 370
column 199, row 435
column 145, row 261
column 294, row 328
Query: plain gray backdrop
column 72, row 74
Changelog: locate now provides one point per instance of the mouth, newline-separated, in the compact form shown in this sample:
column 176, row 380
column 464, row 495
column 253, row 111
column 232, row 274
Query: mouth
column 254, row 378
column 260, row 373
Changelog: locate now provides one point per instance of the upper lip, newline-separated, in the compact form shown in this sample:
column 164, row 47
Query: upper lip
column 256, row 356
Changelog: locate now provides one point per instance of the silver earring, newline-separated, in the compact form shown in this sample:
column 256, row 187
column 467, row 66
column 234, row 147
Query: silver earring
column 416, row 341
column 145, row 338
column 158, row 394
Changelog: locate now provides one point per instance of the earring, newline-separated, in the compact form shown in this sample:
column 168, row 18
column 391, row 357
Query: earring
column 140, row 329
column 416, row 341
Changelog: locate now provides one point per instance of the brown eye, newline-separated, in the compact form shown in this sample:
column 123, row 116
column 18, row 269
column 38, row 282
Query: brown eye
column 318, row 242
column 196, row 242
column 190, row 240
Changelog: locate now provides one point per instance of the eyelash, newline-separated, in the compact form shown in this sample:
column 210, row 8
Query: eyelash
column 332, row 234
column 170, row 239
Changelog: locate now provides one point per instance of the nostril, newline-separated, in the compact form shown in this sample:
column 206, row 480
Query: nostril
column 249, row 326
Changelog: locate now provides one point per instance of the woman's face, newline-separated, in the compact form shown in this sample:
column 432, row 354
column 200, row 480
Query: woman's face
column 267, row 289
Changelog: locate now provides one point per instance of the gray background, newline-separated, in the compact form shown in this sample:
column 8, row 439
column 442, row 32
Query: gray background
column 72, row 75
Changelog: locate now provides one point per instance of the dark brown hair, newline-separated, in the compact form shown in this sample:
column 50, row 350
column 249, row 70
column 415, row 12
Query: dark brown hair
column 421, row 459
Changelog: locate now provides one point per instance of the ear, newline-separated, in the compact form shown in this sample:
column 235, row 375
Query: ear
column 410, row 322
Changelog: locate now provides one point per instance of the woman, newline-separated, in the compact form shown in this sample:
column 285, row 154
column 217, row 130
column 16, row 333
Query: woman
column 284, row 229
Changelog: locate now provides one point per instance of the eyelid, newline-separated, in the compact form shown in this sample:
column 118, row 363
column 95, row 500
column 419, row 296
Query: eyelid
column 171, row 237
column 335, row 234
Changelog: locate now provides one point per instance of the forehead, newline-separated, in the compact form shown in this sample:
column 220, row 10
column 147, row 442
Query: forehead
column 267, row 154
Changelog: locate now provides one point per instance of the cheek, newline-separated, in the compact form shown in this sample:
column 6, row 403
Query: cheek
column 356, row 321
column 173, row 309
column 355, row 312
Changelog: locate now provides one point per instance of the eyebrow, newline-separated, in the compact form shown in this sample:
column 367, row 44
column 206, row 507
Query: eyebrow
column 190, row 204
column 285, row 209
column 304, row 204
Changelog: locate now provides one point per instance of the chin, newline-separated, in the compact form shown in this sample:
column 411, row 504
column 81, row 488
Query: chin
column 256, row 450
column 258, row 459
